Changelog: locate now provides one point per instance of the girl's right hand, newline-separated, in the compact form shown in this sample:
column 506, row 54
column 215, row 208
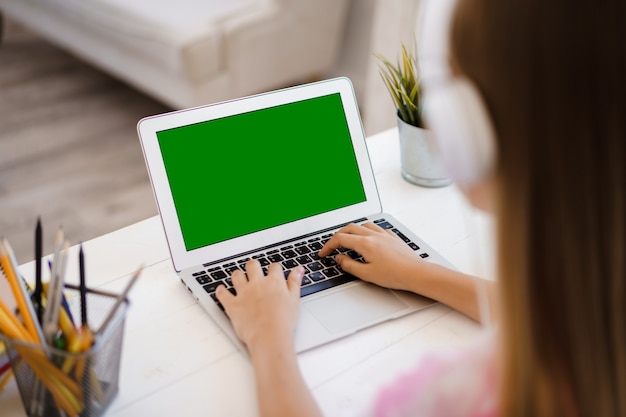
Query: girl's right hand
column 389, row 262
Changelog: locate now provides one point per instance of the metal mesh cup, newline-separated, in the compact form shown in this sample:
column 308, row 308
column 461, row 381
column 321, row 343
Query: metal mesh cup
column 53, row 382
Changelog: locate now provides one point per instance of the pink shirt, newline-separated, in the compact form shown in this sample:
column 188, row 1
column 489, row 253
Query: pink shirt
column 451, row 384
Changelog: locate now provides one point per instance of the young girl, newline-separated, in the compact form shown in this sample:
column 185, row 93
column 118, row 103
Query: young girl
column 545, row 82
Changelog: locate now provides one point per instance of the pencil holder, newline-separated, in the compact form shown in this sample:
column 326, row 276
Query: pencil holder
column 55, row 382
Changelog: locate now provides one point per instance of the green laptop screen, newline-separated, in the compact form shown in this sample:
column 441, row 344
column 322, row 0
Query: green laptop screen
column 240, row 174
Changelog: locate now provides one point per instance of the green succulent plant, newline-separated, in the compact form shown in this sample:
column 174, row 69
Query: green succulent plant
column 403, row 84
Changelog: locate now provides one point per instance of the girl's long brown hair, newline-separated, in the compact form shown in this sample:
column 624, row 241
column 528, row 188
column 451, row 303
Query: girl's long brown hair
column 553, row 74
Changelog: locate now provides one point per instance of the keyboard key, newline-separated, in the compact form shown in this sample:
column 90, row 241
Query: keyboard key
column 328, row 236
column 263, row 261
column 305, row 281
column 284, row 248
column 314, row 239
column 353, row 254
column 316, row 276
column 218, row 275
column 314, row 256
column 288, row 254
column 303, row 250
column 400, row 235
column 329, row 283
column 269, row 252
column 210, row 288
column 330, row 272
column 275, row 257
column 303, row 260
column 258, row 255
column 379, row 221
column 243, row 261
column 290, row 263
column 385, row 225
column 195, row 274
column 424, row 255
column 315, row 266
column 316, row 246
column 215, row 268
column 413, row 246
column 300, row 244
column 231, row 269
column 328, row 261
column 203, row 279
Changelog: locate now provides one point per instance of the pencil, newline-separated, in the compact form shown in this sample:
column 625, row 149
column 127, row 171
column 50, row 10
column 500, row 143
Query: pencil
column 11, row 326
column 38, row 256
column 55, row 288
column 83, row 287
column 7, row 261
column 64, row 304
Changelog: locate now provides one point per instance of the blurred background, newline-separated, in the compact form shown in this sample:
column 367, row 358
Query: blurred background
column 76, row 79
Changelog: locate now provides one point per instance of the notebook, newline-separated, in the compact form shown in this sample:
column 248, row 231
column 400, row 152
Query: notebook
column 271, row 177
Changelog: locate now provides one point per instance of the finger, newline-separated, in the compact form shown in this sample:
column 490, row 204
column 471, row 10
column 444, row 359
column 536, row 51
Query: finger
column 352, row 229
column 374, row 227
column 239, row 278
column 224, row 296
column 351, row 266
column 253, row 270
column 339, row 239
column 275, row 269
column 393, row 234
column 294, row 281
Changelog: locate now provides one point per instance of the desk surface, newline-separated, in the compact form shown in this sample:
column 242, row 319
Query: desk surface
column 176, row 360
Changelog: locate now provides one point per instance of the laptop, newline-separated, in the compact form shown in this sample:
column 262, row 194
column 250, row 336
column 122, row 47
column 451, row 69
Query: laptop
column 272, row 177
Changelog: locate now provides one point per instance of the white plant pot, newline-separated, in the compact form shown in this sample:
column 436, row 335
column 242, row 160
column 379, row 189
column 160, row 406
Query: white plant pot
column 420, row 160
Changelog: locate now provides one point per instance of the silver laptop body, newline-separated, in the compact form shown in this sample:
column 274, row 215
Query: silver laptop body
column 271, row 177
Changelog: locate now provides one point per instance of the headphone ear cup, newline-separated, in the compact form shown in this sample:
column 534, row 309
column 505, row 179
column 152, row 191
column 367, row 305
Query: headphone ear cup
column 458, row 117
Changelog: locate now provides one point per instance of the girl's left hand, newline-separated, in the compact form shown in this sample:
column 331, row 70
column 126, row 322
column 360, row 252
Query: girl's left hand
column 265, row 309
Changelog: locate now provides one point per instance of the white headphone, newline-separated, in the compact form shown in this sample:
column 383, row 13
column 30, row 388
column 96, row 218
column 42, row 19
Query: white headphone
column 452, row 105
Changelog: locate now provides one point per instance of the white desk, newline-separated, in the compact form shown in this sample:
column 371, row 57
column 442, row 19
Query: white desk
column 176, row 361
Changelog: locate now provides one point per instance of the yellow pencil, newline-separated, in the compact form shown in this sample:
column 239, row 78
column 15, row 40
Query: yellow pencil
column 23, row 302
column 11, row 327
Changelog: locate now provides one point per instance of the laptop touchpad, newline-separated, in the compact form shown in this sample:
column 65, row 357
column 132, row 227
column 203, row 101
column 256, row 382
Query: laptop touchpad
column 354, row 308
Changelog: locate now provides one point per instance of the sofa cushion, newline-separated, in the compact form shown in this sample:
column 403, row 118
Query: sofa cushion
column 182, row 36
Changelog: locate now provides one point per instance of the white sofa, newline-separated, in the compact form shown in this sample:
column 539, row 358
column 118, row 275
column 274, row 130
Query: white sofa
column 192, row 52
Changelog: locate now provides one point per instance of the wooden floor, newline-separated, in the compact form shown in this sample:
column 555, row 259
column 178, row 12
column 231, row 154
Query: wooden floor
column 69, row 150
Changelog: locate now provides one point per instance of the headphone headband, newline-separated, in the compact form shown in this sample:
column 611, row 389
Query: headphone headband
column 453, row 107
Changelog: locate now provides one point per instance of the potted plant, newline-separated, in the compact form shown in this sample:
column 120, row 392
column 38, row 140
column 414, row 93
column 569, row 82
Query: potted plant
column 420, row 161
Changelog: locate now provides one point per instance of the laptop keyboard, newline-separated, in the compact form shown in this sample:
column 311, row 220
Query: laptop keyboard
column 319, row 273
